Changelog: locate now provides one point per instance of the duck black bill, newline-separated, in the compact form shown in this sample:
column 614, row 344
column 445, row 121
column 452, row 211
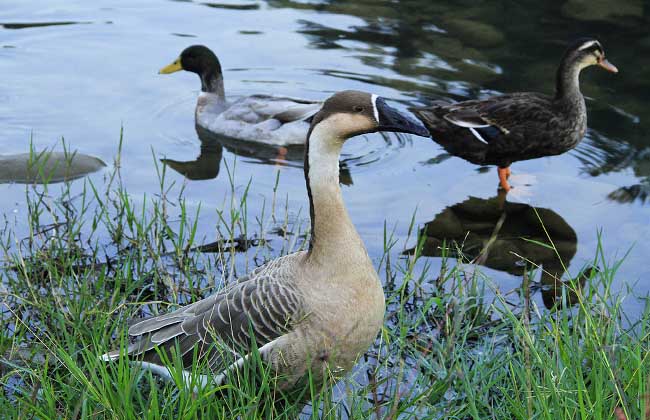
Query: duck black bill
column 392, row 120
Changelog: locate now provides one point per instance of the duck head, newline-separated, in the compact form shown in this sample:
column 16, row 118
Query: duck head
column 201, row 60
column 586, row 52
column 196, row 59
column 350, row 113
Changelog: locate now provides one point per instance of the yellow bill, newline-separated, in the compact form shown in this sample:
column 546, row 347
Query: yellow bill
column 171, row 68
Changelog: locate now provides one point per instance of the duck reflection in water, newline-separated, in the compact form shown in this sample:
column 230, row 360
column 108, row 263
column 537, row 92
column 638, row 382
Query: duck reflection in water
column 207, row 164
column 509, row 237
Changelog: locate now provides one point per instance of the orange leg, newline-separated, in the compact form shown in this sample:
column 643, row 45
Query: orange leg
column 508, row 172
column 282, row 154
column 503, row 178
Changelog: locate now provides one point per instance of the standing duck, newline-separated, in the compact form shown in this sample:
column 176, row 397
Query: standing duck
column 316, row 310
column 504, row 129
column 273, row 120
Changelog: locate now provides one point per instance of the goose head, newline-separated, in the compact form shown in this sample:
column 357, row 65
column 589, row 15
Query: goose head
column 350, row 113
column 586, row 52
column 344, row 115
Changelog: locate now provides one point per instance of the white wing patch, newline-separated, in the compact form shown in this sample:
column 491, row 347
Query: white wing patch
column 375, row 111
column 477, row 134
column 465, row 124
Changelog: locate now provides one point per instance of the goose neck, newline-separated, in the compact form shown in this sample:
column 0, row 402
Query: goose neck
column 333, row 236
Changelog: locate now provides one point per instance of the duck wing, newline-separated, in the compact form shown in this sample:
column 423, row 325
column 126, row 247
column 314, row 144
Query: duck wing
column 491, row 119
column 258, row 308
column 260, row 108
column 495, row 131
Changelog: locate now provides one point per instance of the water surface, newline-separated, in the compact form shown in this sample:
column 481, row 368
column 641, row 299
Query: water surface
column 82, row 70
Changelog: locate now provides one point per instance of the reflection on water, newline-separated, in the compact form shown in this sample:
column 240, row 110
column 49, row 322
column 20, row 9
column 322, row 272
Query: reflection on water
column 509, row 237
column 264, row 153
column 249, row 6
column 184, row 35
column 631, row 193
column 602, row 155
column 411, row 51
column 47, row 167
column 99, row 77
column 17, row 25
column 207, row 164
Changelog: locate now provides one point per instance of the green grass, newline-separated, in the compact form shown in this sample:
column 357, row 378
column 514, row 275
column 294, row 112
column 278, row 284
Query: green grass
column 94, row 258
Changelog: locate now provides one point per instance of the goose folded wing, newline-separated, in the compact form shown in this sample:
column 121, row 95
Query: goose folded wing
column 258, row 310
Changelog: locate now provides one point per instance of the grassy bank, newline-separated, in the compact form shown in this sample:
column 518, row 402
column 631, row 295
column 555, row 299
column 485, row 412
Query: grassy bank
column 96, row 257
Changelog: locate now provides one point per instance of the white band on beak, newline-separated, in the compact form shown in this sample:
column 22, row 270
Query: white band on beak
column 375, row 111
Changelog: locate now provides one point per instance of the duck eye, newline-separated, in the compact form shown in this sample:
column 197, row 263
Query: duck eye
column 357, row 108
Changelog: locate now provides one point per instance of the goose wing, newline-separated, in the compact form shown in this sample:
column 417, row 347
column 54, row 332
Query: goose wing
column 260, row 108
column 259, row 308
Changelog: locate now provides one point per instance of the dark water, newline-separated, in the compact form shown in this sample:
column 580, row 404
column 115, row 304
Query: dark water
column 81, row 70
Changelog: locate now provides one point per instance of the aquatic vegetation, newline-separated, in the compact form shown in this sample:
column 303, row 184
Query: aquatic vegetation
column 453, row 343
column 47, row 166
column 495, row 309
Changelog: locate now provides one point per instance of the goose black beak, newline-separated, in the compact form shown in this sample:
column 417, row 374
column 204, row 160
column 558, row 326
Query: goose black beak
column 390, row 119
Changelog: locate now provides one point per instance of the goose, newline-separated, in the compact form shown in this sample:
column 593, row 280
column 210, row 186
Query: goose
column 273, row 120
column 518, row 126
column 313, row 311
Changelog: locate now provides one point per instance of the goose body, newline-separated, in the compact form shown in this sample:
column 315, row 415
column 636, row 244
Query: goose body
column 273, row 120
column 504, row 129
column 315, row 310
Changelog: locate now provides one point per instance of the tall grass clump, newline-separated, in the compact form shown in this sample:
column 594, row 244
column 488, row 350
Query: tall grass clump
column 454, row 345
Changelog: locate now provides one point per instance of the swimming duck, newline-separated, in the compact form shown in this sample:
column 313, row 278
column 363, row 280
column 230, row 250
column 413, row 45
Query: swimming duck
column 274, row 120
column 504, row 129
column 316, row 310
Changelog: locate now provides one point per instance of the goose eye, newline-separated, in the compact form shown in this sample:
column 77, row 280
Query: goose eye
column 357, row 108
